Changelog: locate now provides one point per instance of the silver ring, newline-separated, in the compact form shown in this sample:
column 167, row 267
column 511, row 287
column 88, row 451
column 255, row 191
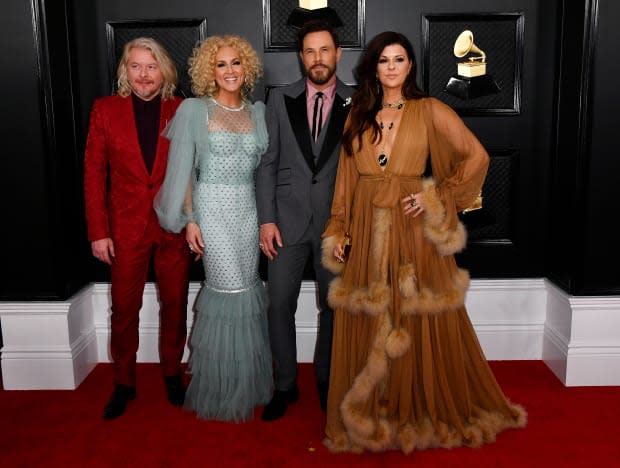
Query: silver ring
column 260, row 245
column 412, row 204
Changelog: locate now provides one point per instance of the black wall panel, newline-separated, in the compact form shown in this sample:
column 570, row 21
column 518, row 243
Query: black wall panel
column 22, row 166
column 582, row 247
column 43, row 221
column 602, row 251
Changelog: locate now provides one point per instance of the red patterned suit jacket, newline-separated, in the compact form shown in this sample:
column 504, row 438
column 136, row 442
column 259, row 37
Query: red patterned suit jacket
column 118, row 189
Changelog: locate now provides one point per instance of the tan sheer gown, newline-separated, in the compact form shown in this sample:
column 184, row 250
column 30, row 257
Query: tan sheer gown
column 407, row 370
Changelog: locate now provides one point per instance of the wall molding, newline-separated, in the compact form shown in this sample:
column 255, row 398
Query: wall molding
column 582, row 338
column 48, row 345
column 54, row 345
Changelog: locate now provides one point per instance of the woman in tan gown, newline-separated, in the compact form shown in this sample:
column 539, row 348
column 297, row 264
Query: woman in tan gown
column 407, row 370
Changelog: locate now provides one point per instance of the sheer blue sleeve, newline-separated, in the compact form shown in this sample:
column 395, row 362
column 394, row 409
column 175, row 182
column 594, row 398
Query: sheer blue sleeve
column 258, row 117
column 173, row 202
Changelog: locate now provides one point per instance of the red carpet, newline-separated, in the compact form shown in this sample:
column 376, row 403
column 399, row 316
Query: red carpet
column 568, row 427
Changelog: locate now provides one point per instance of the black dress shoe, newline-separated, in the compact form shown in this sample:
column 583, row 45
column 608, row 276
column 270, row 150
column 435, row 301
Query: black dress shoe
column 280, row 400
column 323, row 388
column 118, row 401
column 175, row 389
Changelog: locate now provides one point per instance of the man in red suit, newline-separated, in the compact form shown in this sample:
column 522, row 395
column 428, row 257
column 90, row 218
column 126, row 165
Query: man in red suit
column 124, row 167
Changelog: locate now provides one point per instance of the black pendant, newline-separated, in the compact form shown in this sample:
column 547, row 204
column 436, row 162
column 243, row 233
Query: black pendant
column 383, row 160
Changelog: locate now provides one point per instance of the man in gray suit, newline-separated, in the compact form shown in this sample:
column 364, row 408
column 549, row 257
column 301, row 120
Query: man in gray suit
column 294, row 188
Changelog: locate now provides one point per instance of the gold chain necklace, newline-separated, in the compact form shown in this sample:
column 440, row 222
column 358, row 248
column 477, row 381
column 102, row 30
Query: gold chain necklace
column 394, row 105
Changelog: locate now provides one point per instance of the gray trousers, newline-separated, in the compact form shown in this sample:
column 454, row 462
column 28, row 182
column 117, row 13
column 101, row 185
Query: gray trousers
column 284, row 282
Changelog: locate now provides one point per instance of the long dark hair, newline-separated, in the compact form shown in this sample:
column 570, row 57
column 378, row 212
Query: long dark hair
column 368, row 97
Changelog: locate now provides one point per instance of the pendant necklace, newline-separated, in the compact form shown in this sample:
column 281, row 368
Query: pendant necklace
column 383, row 159
column 398, row 105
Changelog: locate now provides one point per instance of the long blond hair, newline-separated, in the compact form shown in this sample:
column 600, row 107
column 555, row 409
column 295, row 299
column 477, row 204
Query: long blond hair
column 202, row 64
column 166, row 65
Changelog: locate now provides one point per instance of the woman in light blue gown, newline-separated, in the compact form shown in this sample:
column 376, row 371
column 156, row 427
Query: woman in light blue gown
column 216, row 142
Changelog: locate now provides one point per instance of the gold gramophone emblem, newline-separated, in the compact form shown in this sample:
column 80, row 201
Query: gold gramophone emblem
column 476, row 65
column 471, row 80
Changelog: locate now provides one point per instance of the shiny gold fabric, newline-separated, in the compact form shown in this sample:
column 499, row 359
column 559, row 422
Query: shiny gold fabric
column 407, row 370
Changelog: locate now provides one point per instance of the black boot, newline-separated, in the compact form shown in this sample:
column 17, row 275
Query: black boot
column 118, row 401
column 175, row 389
column 280, row 400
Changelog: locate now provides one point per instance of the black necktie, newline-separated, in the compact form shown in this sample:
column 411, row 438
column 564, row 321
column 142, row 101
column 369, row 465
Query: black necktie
column 317, row 115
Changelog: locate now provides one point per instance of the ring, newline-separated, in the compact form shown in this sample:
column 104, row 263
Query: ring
column 190, row 247
column 412, row 204
column 260, row 245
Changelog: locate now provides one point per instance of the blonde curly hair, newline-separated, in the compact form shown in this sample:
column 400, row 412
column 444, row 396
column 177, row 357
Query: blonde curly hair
column 202, row 64
column 166, row 65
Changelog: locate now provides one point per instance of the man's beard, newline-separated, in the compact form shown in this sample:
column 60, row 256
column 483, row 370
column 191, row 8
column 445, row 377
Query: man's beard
column 147, row 93
column 323, row 75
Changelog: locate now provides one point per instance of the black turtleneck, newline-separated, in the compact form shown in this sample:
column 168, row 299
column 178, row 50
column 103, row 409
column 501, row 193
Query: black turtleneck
column 146, row 114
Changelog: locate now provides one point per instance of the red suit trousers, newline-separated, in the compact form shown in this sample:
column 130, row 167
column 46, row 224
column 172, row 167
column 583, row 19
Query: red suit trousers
column 171, row 261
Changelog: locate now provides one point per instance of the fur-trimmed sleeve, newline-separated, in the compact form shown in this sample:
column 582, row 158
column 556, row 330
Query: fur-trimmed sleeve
column 459, row 161
column 338, row 223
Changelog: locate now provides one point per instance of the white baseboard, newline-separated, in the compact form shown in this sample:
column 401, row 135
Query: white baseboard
column 508, row 316
column 48, row 345
column 582, row 338
column 54, row 345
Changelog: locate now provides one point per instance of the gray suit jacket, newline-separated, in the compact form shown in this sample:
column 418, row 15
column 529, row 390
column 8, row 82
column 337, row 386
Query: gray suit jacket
column 291, row 188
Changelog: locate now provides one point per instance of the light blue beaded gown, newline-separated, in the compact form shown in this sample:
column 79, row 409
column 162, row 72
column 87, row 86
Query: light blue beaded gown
column 214, row 151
